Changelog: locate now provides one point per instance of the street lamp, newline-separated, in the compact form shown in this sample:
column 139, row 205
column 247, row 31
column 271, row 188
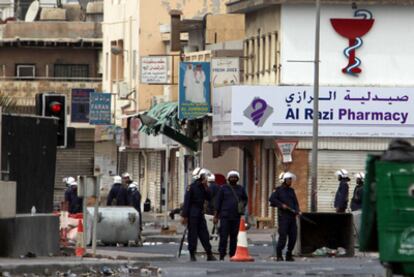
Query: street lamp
column 116, row 50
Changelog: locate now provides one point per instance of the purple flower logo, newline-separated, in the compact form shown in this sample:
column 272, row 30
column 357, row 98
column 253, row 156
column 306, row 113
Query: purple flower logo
column 258, row 111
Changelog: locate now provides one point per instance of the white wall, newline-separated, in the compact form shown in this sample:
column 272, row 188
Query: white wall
column 120, row 23
column 387, row 56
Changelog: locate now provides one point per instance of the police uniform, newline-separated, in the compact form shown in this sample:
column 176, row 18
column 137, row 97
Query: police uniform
column 74, row 202
column 356, row 202
column 214, row 189
column 118, row 193
column 134, row 200
column 193, row 209
column 286, row 218
column 227, row 212
column 341, row 196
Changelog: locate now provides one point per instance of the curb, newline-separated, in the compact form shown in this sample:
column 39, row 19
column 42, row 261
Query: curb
column 73, row 266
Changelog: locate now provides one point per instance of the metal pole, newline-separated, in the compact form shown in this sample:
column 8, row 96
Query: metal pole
column 95, row 214
column 1, row 124
column 167, row 159
column 315, row 129
column 82, row 179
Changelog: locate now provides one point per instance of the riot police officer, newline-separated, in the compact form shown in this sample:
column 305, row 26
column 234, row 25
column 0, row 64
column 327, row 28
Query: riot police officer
column 214, row 189
column 193, row 214
column 117, row 194
column 227, row 210
column 341, row 196
column 356, row 201
column 68, row 181
column 284, row 198
column 74, row 202
column 134, row 200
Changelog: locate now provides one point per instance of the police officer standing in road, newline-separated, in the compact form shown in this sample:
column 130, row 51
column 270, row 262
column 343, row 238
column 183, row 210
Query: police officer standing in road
column 341, row 196
column 193, row 214
column 214, row 189
column 117, row 194
column 134, row 200
column 67, row 181
column 71, row 197
column 230, row 205
column 284, row 198
column 356, row 201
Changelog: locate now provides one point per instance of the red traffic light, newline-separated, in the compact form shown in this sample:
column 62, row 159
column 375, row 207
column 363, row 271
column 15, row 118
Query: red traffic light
column 55, row 107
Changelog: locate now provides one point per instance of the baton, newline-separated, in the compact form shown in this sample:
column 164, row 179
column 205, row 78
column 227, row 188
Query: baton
column 301, row 215
column 214, row 236
column 182, row 241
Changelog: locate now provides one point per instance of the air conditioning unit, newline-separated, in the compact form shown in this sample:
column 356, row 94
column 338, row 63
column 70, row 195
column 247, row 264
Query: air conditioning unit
column 123, row 90
column 157, row 100
column 26, row 71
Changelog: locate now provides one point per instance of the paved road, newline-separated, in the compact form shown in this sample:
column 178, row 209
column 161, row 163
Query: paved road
column 263, row 265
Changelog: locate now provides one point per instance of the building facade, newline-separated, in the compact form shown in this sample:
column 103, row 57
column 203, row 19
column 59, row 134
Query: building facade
column 279, row 51
column 54, row 57
column 131, row 32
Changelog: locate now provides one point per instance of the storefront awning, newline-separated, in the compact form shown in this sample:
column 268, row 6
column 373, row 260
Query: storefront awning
column 163, row 119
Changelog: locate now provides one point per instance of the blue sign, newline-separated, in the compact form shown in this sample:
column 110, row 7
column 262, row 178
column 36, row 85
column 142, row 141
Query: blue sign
column 100, row 108
column 79, row 111
column 194, row 92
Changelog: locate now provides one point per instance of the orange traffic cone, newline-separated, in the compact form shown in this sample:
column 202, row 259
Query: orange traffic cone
column 242, row 253
column 80, row 247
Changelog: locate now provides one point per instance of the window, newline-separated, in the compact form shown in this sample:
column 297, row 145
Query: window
column 25, row 71
column 71, row 70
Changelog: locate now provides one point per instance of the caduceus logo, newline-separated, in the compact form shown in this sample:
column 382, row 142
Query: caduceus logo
column 353, row 29
column 258, row 111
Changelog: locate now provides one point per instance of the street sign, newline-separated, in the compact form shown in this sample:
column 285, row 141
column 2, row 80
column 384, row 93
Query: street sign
column 100, row 108
column 154, row 70
column 285, row 149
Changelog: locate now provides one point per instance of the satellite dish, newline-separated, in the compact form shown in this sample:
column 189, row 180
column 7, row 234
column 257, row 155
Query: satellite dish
column 32, row 12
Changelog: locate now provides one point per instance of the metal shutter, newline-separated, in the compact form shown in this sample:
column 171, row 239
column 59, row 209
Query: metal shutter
column 328, row 163
column 75, row 161
column 133, row 167
column 154, row 179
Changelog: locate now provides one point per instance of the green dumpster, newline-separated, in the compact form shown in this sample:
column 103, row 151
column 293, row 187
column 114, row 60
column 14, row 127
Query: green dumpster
column 388, row 214
column 395, row 206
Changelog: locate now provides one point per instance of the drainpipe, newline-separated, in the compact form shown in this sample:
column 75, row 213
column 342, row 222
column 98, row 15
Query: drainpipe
column 145, row 186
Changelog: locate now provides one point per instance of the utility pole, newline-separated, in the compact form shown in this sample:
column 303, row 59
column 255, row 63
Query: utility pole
column 315, row 125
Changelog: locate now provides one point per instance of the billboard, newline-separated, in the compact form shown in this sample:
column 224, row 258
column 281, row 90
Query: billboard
column 288, row 111
column 225, row 71
column 154, row 70
column 80, row 104
column 194, row 90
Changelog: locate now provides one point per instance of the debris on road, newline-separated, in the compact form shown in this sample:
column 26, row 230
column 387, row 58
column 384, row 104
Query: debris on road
column 328, row 252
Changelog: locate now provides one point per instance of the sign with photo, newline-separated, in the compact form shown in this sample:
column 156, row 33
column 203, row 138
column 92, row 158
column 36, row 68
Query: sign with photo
column 194, row 90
